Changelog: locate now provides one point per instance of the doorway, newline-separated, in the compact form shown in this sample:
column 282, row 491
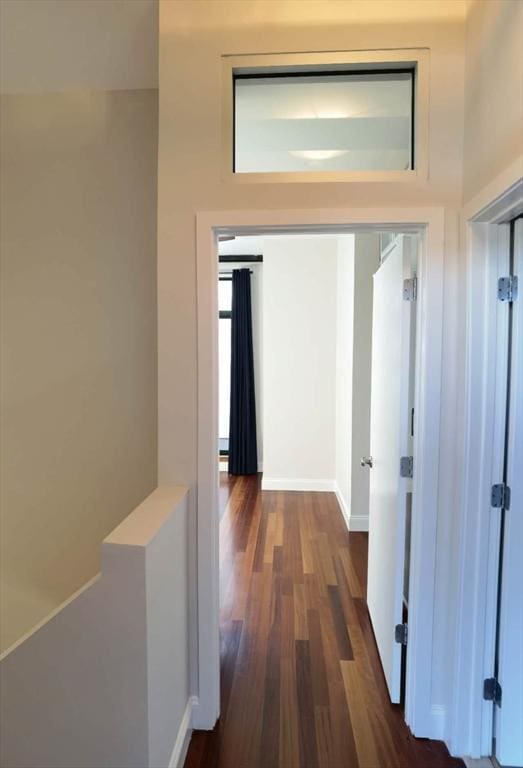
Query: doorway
column 505, row 687
column 313, row 330
column 488, row 713
column 429, row 224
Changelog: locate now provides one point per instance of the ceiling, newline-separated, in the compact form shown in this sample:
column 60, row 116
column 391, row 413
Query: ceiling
column 231, row 13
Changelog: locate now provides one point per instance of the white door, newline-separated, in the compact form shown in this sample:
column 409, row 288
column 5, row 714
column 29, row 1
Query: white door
column 389, row 442
column 508, row 720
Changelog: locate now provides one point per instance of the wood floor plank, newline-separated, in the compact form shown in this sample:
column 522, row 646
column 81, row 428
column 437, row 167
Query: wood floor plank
column 270, row 735
column 325, row 554
column 320, row 688
column 342, row 635
column 270, row 537
column 306, row 529
column 301, row 680
column 343, row 744
column 365, row 743
column 306, row 721
column 289, row 750
column 350, row 572
column 287, row 626
column 301, row 630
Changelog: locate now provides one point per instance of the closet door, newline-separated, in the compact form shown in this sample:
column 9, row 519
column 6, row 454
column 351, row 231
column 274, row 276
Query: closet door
column 508, row 716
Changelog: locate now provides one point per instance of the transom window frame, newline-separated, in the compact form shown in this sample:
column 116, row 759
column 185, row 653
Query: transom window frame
column 315, row 63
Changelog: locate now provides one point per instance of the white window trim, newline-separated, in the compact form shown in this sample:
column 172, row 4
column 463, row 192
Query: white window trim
column 409, row 57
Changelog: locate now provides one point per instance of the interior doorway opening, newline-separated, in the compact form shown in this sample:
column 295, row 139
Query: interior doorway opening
column 489, row 660
column 428, row 223
column 315, row 367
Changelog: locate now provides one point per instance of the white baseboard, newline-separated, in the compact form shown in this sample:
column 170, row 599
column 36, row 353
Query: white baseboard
column 482, row 762
column 297, row 484
column 353, row 522
column 359, row 523
column 204, row 716
column 343, row 505
column 224, row 466
column 438, row 718
column 183, row 737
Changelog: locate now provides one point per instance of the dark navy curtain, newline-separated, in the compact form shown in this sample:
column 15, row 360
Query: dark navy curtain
column 243, row 458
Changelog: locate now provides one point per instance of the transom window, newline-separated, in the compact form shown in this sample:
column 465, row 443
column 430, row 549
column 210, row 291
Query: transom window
column 324, row 121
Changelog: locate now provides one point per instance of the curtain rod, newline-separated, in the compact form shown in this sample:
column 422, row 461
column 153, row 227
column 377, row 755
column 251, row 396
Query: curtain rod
column 232, row 258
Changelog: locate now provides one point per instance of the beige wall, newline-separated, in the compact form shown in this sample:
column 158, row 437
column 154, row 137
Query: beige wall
column 52, row 45
column 493, row 91
column 79, row 402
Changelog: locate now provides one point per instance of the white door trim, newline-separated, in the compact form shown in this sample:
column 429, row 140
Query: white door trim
column 471, row 717
column 430, row 223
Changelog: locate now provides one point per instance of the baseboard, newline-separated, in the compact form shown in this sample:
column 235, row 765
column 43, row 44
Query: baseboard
column 224, row 466
column 359, row 523
column 353, row 522
column 482, row 762
column 183, row 737
column 297, row 484
column 438, row 720
column 204, row 715
column 343, row 506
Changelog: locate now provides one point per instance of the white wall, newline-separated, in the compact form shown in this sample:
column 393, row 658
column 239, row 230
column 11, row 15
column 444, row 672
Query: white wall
column 492, row 148
column 299, row 354
column 366, row 262
column 344, row 371
column 493, row 91
column 104, row 680
column 193, row 38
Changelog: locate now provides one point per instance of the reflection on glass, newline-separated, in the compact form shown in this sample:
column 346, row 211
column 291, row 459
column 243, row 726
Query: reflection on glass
column 335, row 122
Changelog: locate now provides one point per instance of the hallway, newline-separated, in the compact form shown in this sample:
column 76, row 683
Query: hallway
column 301, row 681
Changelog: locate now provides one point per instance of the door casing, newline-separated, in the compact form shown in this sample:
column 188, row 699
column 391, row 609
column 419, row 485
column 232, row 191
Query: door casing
column 420, row 715
column 486, row 349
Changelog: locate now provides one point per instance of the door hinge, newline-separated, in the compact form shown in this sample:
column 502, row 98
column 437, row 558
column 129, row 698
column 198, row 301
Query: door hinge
column 410, row 289
column 401, row 633
column 492, row 690
column 406, row 466
column 500, row 496
column 508, row 288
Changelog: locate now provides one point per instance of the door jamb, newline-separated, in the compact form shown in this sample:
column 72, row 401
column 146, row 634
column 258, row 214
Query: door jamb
column 471, row 729
column 419, row 713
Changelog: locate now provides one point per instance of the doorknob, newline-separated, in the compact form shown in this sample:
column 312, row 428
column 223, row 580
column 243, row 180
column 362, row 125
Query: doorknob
column 366, row 461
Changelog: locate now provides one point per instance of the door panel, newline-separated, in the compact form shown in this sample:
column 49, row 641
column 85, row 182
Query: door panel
column 509, row 718
column 389, row 442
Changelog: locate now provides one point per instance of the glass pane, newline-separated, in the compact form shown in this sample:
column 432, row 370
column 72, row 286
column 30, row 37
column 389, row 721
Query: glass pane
column 224, row 295
column 224, row 348
column 337, row 122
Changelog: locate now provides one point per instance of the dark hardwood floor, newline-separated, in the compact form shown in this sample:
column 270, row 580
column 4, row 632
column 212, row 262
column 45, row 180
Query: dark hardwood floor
column 301, row 681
